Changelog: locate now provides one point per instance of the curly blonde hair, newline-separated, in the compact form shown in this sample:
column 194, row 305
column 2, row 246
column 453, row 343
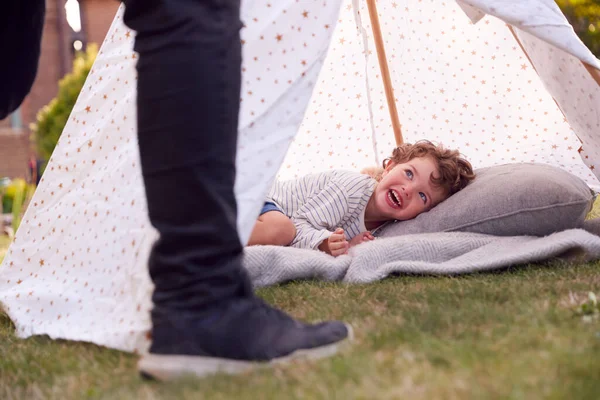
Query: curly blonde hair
column 455, row 171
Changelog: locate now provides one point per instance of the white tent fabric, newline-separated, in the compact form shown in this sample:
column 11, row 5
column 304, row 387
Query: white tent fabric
column 77, row 268
column 540, row 18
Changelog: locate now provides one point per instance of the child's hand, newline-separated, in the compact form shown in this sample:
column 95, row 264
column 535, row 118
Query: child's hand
column 361, row 238
column 336, row 244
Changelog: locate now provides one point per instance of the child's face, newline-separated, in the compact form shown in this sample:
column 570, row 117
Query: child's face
column 406, row 191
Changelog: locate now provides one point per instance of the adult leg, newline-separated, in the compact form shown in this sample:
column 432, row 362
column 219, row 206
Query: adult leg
column 272, row 228
column 205, row 317
column 21, row 26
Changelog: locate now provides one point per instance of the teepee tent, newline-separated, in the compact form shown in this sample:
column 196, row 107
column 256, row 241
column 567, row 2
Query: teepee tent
column 503, row 81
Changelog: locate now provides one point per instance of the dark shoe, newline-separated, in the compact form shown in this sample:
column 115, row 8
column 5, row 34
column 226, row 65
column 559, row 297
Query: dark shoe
column 233, row 337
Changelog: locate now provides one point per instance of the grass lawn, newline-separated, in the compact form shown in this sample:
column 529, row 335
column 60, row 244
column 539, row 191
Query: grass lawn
column 512, row 334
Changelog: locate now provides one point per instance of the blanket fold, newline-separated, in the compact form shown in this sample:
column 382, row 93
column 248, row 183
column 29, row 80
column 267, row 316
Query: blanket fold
column 443, row 253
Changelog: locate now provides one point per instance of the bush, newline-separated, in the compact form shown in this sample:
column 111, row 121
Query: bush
column 52, row 119
column 584, row 15
column 15, row 196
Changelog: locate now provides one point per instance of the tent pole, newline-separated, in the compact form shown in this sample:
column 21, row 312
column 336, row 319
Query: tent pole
column 385, row 72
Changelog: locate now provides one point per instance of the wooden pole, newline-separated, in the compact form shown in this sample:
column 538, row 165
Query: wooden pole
column 385, row 72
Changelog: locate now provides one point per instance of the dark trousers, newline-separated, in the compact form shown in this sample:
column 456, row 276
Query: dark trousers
column 188, row 102
column 21, row 26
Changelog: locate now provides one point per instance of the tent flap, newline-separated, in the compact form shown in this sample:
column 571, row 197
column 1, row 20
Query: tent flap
column 541, row 18
column 473, row 13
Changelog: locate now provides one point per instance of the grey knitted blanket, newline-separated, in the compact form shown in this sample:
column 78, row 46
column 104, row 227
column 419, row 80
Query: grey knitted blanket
column 444, row 253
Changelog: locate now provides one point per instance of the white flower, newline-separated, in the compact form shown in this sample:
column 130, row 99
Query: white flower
column 593, row 299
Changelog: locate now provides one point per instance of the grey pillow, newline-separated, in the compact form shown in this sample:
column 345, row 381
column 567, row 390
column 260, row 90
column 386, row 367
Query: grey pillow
column 507, row 200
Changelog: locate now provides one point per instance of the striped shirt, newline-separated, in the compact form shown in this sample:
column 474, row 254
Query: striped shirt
column 318, row 204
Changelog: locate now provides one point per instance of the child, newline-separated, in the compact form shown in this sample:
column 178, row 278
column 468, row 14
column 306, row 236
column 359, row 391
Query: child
column 335, row 210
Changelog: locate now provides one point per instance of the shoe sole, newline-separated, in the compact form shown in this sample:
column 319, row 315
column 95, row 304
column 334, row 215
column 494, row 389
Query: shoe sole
column 170, row 367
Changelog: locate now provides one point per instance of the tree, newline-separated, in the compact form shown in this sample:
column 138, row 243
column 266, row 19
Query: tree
column 52, row 118
column 584, row 15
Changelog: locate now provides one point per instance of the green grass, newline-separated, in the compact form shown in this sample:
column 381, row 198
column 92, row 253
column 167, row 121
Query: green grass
column 512, row 334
